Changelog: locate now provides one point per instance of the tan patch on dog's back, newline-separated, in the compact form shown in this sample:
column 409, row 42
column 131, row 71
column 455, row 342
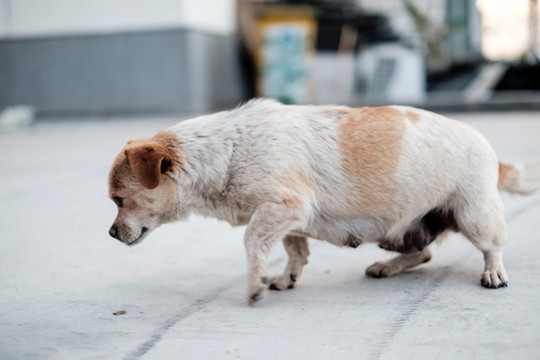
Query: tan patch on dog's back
column 370, row 143
column 412, row 116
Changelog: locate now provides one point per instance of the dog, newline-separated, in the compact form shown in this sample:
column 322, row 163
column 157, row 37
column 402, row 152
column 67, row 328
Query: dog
column 395, row 175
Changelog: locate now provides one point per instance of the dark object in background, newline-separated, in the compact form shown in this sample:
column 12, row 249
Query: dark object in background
column 526, row 77
column 371, row 29
column 333, row 15
column 456, row 78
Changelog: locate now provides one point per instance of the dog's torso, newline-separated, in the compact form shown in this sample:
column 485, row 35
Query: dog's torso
column 358, row 175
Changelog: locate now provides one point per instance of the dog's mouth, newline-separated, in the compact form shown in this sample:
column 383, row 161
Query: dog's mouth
column 144, row 231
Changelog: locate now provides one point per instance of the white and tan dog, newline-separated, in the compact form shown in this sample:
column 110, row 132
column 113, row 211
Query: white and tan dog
column 397, row 176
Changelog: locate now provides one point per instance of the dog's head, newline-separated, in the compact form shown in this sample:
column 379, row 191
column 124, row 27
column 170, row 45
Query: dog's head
column 142, row 185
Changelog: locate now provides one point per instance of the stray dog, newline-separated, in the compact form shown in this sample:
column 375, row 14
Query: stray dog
column 397, row 176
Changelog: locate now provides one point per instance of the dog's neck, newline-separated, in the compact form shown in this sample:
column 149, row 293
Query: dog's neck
column 207, row 153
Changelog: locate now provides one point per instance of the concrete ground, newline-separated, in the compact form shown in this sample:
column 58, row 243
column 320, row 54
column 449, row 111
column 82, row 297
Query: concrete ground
column 183, row 288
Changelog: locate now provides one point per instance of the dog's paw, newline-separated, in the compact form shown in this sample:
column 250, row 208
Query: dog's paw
column 494, row 279
column 282, row 282
column 257, row 290
column 382, row 269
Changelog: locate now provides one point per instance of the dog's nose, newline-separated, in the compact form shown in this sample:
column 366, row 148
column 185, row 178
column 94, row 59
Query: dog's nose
column 113, row 231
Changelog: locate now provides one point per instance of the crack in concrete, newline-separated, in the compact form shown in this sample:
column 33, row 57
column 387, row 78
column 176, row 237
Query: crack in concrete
column 410, row 308
column 191, row 309
column 156, row 337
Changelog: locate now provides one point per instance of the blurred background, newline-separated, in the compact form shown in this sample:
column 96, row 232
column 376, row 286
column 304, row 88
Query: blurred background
column 63, row 58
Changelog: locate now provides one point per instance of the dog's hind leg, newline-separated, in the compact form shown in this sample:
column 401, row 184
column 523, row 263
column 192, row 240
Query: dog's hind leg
column 398, row 264
column 435, row 224
column 481, row 220
column 297, row 248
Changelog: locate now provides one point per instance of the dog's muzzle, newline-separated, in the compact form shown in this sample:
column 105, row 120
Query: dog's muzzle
column 113, row 231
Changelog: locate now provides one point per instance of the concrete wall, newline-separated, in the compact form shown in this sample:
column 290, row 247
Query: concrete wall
column 68, row 57
column 149, row 71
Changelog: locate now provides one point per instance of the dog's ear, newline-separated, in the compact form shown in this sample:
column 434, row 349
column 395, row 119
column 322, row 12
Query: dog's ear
column 148, row 159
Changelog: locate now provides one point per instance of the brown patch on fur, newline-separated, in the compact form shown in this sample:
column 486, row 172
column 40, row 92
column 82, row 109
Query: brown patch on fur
column 412, row 116
column 370, row 142
column 292, row 202
column 174, row 144
column 508, row 175
column 150, row 158
column 298, row 184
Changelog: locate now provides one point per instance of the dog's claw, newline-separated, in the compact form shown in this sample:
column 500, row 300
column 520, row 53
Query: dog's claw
column 493, row 281
column 283, row 282
column 376, row 271
column 256, row 296
column 274, row 287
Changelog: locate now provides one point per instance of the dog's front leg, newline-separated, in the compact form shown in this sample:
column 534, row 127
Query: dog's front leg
column 269, row 223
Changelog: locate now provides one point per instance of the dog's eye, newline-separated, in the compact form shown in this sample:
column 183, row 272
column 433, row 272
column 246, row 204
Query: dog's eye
column 118, row 200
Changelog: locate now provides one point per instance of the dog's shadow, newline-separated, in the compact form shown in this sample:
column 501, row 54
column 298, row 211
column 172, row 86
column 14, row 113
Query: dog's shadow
column 333, row 280
column 353, row 285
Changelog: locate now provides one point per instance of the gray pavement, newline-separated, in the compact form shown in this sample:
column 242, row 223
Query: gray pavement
column 183, row 288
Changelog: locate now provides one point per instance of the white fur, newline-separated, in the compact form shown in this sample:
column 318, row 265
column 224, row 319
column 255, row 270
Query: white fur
column 279, row 170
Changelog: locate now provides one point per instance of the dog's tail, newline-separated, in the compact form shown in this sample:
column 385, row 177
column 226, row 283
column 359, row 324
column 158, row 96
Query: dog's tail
column 520, row 178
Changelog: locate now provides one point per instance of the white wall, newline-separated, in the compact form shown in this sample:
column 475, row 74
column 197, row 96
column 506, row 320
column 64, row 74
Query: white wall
column 30, row 18
column 210, row 15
